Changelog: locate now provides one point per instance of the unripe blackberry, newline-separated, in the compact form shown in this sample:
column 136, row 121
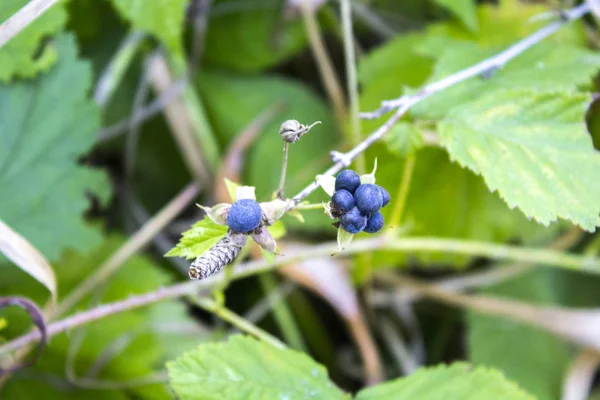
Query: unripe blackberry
column 353, row 221
column 368, row 198
column 244, row 216
column 375, row 223
column 342, row 201
column 385, row 196
column 347, row 180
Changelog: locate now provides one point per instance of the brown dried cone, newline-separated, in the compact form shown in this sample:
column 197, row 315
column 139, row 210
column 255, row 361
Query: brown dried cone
column 221, row 254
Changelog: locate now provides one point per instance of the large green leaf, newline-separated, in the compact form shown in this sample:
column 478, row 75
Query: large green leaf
column 532, row 146
column 246, row 369
column 47, row 125
column 457, row 381
column 233, row 101
column 465, row 10
column 537, row 360
column 21, row 56
column 203, row 235
column 253, row 38
column 161, row 18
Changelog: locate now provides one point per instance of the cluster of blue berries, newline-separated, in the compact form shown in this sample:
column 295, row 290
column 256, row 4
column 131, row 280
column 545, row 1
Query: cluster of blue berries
column 244, row 216
column 357, row 205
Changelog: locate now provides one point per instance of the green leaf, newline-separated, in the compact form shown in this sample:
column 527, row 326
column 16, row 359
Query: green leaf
column 537, row 360
column 532, row 146
column 161, row 18
column 194, row 242
column 48, row 124
column 457, row 381
column 404, row 139
column 21, row 56
column 465, row 10
column 233, row 101
column 244, row 368
column 251, row 39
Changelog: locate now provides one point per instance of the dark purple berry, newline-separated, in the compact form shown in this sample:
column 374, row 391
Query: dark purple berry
column 353, row 221
column 368, row 198
column 347, row 180
column 244, row 216
column 385, row 195
column 342, row 201
column 375, row 223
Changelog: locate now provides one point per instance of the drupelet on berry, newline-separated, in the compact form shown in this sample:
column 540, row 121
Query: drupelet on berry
column 385, row 195
column 342, row 201
column 353, row 221
column 375, row 223
column 347, row 180
column 368, row 198
column 244, row 216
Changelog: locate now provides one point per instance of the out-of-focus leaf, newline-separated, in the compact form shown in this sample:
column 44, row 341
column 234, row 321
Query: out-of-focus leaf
column 244, row 368
column 233, row 101
column 161, row 18
column 21, row 56
column 404, row 139
column 47, row 124
column 194, row 242
column 457, row 381
column 251, row 39
column 533, row 147
column 537, row 360
column 465, row 10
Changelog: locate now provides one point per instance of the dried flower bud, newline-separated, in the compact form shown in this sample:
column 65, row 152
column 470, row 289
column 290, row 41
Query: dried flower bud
column 221, row 254
column 291, row 130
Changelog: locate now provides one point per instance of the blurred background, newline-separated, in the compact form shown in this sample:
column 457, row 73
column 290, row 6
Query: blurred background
column 116, row 116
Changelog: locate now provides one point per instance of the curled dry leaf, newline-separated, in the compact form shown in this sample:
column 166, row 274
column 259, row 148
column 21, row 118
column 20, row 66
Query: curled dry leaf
column 38, row 320
column 17, row 249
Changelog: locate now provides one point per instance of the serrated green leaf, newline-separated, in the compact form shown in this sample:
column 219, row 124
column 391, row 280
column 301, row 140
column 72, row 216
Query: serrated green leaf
column 253, row 38
column 21, row 56
column 203, row 235
column 465, row 10
column 161, row 18
column 534, row 149
column 457, row 381
column 47, row 124
column 233, row 101
column 245, row 369
column 537, row 360
column 404, row 139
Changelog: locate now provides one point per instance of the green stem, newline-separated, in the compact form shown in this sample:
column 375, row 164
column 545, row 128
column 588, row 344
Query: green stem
column 316, row 206
column 403, row 189
column 237, row 321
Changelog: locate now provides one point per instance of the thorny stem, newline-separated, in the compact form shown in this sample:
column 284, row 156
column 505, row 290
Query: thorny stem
column 414, row 244
column 286, row 149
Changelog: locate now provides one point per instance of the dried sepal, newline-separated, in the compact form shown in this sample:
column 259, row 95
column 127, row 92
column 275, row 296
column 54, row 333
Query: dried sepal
column 328, row 210
column 218, row 213
column 369, row 178
column 218, row 256
column 327, row 182
column 343, row 239
column 275, row 209
column 264, row 238
column 231, row 188
column 245, row 192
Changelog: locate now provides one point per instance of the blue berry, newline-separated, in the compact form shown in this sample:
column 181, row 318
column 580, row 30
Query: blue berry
column 244, row 216
column 375, row 223
column 385, row 195
column 342, row 201
column 347, row 180
column 368, row 198
column 353, row 221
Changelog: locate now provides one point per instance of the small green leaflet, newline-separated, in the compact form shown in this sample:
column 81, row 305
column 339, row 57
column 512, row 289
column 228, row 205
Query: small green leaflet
column 194, row 242
column 246, row 369
column 532, row 146
column 465, row 10
column 457, row 381
column 20, row 56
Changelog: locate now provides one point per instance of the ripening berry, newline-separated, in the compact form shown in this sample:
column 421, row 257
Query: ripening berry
column 244, row 216
column 342, row 201
column 347, row 180
column 375, row 223
column 368, row 198
column 353, row 221
column 385, row 195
